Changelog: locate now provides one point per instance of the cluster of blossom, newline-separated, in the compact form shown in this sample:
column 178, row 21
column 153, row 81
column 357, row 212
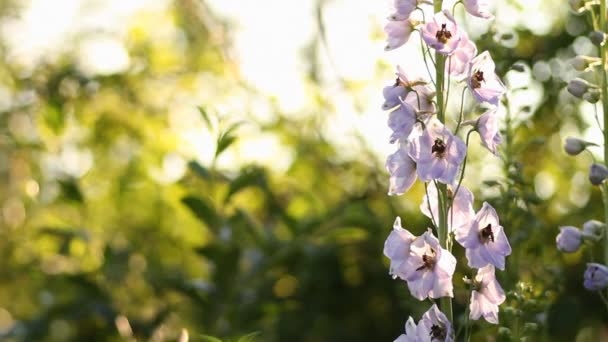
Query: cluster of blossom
column 428, row 150
column 570, row 239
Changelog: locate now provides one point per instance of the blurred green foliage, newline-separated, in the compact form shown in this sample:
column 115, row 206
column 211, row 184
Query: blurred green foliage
column 110, row 252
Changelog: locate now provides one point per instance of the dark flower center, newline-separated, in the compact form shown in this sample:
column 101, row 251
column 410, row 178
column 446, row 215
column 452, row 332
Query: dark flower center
column 428, row 261
column 438, row 147
column 443, row 35
column 437, row 332
column 477, row 79
column 486, row 234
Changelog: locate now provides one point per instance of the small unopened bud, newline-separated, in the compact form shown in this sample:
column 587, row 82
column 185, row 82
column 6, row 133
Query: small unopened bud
column 569, row 239
column 574, row 146
column 593, row 230
column 592, row 95
column 520, row 67
column 597, row 37
column 578, row 87
column 583, row 63
column 596, row 277
column 597, row 174
column 577, row 6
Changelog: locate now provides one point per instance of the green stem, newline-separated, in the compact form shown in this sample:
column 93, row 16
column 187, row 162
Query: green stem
column 446, row 302
column 603, row 28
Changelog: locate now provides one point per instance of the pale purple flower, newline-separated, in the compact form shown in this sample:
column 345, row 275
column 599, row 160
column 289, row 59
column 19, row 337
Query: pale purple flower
column 487, row 295
column 459, row 62
column 478, row 8
column 405, row 88
column 442, row 33
column 596, row 277
column 393, row 95
column 410, row 332
column 409, row 79
column 482, row 80
column 403, row 9
column 401, row 121
column 438, row 153
column 402, row 170
column 485, row 240
column 569, row 239
column 487, row 127
column 461, row 212
column 421, row 98
column 429, row 268
column 397, row 249
column 435, row 326
column 398, row 33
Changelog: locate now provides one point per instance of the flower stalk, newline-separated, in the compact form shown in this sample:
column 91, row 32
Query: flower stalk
column 445, row 302
column 602, row 48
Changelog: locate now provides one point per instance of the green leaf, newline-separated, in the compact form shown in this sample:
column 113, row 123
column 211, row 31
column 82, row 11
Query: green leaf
column 71, row 190
column 204, row 211
column 346, row 235
column 199, row 169
column 249, row 337
column 207, row 338
column 54, row 118
column 223, row 142
column 205, row 116
column 249, row 177
column 226, row 138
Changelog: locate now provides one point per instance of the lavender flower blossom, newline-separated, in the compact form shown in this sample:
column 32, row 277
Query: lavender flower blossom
column 401, row 121
column 397, row 249
column 435, row 326
column 487, row 126
column 461, row 212
column 421, row 99
column 442, row 33
column 410, row 332
column 398, row 33
column 482, row 80
column 437, row 153
column 402, row 170
column 487, row 296
column 459, row 62
column 393, row 95
column 478, row 8
column 485, row 240
column 569, row 239
column 429, row 268
column 403, row 9
column 596, row 277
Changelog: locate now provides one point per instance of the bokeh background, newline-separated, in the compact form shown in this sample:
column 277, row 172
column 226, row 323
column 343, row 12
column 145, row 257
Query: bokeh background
column 218, row 166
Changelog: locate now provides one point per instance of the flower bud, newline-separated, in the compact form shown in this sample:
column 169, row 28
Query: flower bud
column 596, row 277
column 583, row 63
column 569, row 239
column 597, row 174
column 520, row 67
column 593, row 230
column 597, row 37
column 574, row 146
column 592, row 95
column 578, row 87
column 577, row 6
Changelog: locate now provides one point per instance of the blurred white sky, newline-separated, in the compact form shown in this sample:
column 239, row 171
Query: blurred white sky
column 270, row 36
